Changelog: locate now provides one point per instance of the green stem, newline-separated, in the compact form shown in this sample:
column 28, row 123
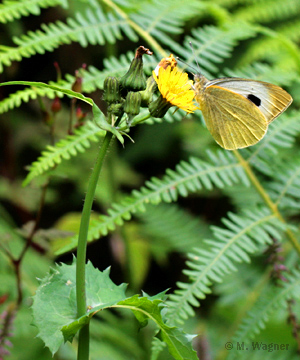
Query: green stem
column 135, row 122
column 83, row 345
column 265, row 196
column 142, row 33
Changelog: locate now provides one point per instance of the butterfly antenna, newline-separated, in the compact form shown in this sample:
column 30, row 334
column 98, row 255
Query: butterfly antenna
column 178, row 58
column 193, row 51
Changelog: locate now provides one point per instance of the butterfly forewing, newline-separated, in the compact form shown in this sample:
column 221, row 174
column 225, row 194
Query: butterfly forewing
column 271, row 100
column 233, row 122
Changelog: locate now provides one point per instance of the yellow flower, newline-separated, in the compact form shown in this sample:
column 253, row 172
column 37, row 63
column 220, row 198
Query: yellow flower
column 166, row 62
column 176, row 88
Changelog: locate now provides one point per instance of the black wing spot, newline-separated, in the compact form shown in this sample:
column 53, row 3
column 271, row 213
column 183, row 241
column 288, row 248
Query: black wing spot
column 256, row 101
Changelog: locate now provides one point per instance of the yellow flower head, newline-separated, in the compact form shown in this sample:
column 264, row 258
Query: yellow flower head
column 176, row 88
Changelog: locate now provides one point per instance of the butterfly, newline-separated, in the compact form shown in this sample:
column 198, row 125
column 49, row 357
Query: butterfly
column 237, row 111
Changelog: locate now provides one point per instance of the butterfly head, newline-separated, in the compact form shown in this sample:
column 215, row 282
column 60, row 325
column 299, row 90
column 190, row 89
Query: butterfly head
column 199, row 83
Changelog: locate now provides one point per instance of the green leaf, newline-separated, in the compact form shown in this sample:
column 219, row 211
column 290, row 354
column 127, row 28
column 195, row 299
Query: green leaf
column 54, row 305
column 52, row 87
column 98, row 115
column 144, row 308
column 179, row 343
column 55, row 312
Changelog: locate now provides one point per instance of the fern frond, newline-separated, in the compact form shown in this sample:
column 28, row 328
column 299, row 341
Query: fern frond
column 232, row 3
column 30, row 93
column 64, row 150
column 92, row 79
column 268, row 11
column 12, row 9
column 188, row 177
column 291, row 30
column 213, row 45
column 271, row 299
column 263, row 72
column 271, row 48
column 172, row 228
column 230, row 245
column 281, row 134
column 167, row 17
column 285, row 189
column 93, row 27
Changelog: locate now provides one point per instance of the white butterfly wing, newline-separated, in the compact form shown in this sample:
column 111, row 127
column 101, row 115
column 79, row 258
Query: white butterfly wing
column 234, row 122
column 271, row 100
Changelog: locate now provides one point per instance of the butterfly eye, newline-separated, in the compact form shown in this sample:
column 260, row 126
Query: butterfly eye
column 256, row 101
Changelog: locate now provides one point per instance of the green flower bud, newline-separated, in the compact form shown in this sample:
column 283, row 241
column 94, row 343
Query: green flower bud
column 148, row 93
column 135, row 79
column 132, row 105
column 111, row 89
column 159, row 107
column 116, row 109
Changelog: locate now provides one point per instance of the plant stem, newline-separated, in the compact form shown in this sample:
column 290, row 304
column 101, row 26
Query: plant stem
column 143, row 34
column 83, row 342
column 272, row 206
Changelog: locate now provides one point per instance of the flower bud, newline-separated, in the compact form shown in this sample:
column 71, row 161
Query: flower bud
column 111, row 89
column 148, row 93
column 135, row 79
column 56, row 105
column 77, row 85
column 132, row 105
column 159, row 107
column 116, row 109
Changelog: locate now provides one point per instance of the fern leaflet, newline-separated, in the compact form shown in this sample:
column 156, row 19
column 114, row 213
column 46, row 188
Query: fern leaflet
column 268, row 10
column 171, row 228
column 285, row 189
column 94, row 27
column 64, row 149
column 272, row 298
column 281, row 134
column 230, row 245
column 12, row 9
column 212, row 45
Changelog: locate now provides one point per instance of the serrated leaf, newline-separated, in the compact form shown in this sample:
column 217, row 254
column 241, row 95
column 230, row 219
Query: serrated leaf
column 54, row 305
column 144, row 308
column 179, row 343
column 55, row 312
